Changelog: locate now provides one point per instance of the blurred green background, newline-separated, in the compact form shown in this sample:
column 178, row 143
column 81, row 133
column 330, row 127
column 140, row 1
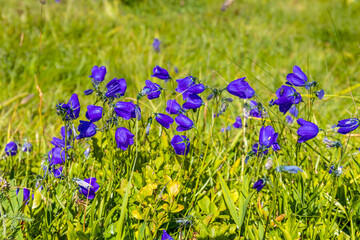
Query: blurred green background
column 52, row 47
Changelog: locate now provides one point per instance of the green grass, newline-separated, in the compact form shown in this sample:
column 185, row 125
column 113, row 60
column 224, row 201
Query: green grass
column 51, row 49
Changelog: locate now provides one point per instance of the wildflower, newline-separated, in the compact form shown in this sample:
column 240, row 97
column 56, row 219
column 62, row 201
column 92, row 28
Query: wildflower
column 298, row 78
column 181, row 144
column 27, row 147
column 289, row 119
column 94, row 113
column 307, row 130
column 237, row 123
column 348, row 125
column 259, row 185
column 287, row 96
column 88, row 91
column 164, row 120
column 26, row 194
column 88, row 187
column 69, row 111
column 57, row 172
column 240, row 88
column 56, row 156
column 11, row 149
column 156, row 45
column 258, row 150
column 289, row 169
column 227, row 129
column 136, row 113
column 124, row 138
column 294, row 111
column 172, row 107
column 152, row 90
column 268, row 136
column 60, row 143
column 98, row 74
column 184, row 123
column 329, row 143
column 193, row 102
column 161, row 73
column 116, row 88
column 320, row 94
column 337, row 171
column 86, row 129
column 166, row 236
column 124, row 109
column 176, row 70
column 187, row 86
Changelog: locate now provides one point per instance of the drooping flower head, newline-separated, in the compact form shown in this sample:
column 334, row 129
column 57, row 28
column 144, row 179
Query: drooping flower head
column 69, row 111
column 181, row 144
column 307, row 130
column 289, row 169
column 156, row 45
column 337, row 172
column 193, row 101
column 259, row 185
column 88, row 91
column 287, row 96
column 161, row 73
column 184, row 123
column 268, row 136
column 330, row 144
column 56, row 156
column 124, row 138
column 320, row 94
column 136, row 113
column 116, row 88
column 241, row 88
column 124, row 109
column 187, row 86
column 237, row 123
column 27, row 147
column 88, row 187
column 94, row 113
column 86, row 129
column 298, row 78
column 60, row 143
column 294, row 111
column 289, row 119
column 26, row 194
column 172, row 107
column 166, row 236
column 57, row 172
column 152, row 90
column 98, row 74
column 348, row 125
column 11, row 149
column 227, row 129
column 164, row 120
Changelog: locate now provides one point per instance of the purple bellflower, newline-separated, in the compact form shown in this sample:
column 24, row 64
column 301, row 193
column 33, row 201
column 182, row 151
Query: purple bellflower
column 116, row 88
column 164, row 120
column 124, row 138
column 11, row 149
column 268, row 136
column 241, row 88
column 69, row 111
column 294, row 111
column 94, row 113
column 152, row 90
column 166, row 236
column 348, row 125
column 287, row 96
column 26, row 194
column 161, row 73
column 289, row 119
column 27, row 147
column 86, row 129
column 172, row 107
column 237, row 123
column 298, row 78
column 320, row 94
column 193, row 101
column 88, row 187
column 307, row 130
column 259, row 185
column 156, row 45
column 98, row 74
column 125, row 109
column 57, row 172
column 184, row 123
column 56, row 156
column 181, row 144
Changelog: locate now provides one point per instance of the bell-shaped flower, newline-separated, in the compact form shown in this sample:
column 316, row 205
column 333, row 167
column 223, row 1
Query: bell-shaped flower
column 57, row 172
column 184, row 123
column 11, row 149
column 88, row 188
column 161, row 73
column 237, row 123
column 181, row 144
column 152, row 90
column 320, row 94
column 172, row 107
column 259, row 185
column 70, row 110
column 56, row 156
column 307, row 130
column 86, row 129
column 124, row 109
column 94, row 113
column 27, row 147
column 298, row 78
column 164, row 120
column 166, row 236
column 268, row 136
column 98, row 74
column 124, row 138
column 193, row 102
column 116, row 88
column 348, row 125
column 241, row 88
column 287, row 96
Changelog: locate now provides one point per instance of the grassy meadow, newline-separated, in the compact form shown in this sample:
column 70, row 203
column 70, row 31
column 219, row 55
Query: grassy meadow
column 47, row 52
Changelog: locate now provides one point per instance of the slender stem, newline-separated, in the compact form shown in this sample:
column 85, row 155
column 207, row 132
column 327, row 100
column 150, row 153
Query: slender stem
column 3, row 219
